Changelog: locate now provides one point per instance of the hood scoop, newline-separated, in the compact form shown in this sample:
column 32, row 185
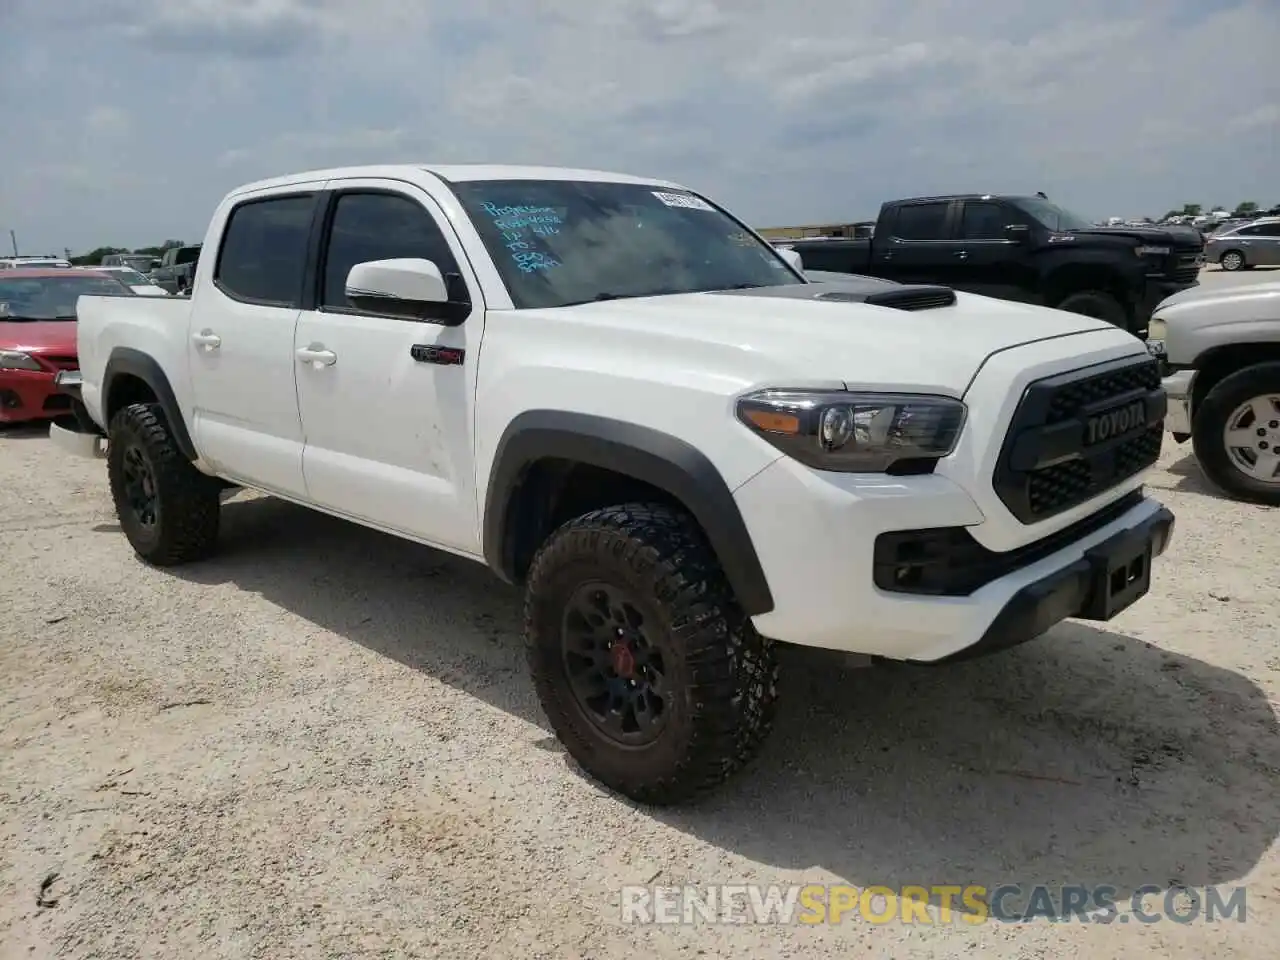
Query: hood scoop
column 857, row 289
column 898, row 298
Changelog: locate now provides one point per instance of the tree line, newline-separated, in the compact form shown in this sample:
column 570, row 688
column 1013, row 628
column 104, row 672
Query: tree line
column 1246, row 208
column 94, row 257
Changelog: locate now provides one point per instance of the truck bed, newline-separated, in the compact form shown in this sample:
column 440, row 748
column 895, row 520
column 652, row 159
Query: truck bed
column 838, row 255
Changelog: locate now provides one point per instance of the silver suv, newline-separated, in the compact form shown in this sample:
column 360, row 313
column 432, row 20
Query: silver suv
column 1254, row 244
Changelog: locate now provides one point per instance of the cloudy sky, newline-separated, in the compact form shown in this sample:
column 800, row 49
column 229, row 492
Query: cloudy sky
column 123, row 121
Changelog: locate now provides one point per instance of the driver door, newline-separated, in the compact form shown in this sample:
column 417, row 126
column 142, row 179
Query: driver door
column 387, row 420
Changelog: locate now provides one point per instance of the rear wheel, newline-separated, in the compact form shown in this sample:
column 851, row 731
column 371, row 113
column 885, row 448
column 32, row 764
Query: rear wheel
column 168, row 510
column 648, row 671
column 1236, row 434
column 1232, row 260
column 1097, row 304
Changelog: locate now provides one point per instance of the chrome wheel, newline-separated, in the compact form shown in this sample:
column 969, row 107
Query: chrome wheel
column 1232, row 260
column 1252, row 438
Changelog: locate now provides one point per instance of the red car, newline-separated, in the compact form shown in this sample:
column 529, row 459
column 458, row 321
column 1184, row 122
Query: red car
column 38, row 336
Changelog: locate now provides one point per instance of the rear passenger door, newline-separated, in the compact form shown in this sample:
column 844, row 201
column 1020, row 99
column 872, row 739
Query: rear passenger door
column 918, row 248
column 387, row 423
column 991, row 261
column 240, row 341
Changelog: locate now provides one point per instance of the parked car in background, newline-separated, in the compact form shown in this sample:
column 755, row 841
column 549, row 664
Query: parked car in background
column 17, row 263
column 177, row 266
column 613, row 392
column 1221, row 350
column 1245, row 245
column 38, row 336
column 142, row 262
column 1025, row 249
column 139, row 283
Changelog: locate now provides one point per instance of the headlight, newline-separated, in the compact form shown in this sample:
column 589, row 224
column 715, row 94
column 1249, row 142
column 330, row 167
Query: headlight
column 1151, row 251
column 13, row 360
column 1156, row 330
column 854, row 432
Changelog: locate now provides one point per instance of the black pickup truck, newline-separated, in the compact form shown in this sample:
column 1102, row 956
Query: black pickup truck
column 1020, row 248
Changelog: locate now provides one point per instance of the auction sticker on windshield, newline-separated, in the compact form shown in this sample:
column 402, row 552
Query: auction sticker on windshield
column 686, row 200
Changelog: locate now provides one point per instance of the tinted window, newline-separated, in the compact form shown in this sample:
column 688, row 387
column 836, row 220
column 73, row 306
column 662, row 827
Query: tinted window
column 1267, row 229
column 264, row 248
column 983, row 221
column 921, row 221
column 379, row 226
column 563, row 242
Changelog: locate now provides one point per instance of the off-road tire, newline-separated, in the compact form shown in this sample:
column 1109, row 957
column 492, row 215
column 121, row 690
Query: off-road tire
column 1097, row 304
column 1209, row 419
column 188, row 508
column 728, row 673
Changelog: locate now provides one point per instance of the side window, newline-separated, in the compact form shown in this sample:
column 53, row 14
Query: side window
column 921, row 221
column 264, row 250
column 378, row 226
column 1268, row 229
column 983, row 221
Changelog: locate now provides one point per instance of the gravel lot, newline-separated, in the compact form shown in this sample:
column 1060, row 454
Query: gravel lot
column 323, row 743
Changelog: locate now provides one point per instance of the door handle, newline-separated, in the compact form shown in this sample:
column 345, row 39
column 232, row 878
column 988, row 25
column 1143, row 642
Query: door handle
column 888, row 256
column 962, row 254
column 317, row 356
column 207, row 339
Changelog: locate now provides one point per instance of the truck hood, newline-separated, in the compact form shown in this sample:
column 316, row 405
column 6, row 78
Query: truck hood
column 1204, row 296
column 1169, row 236
column 37, row 336
column 774, row 333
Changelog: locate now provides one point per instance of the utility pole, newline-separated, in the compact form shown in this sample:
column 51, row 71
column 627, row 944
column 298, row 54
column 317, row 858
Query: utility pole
column 13, row 239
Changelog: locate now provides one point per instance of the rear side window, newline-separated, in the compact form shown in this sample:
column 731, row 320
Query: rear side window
column 1267, row 229
column 983, row 221
column 921, row 221
column 264, row 250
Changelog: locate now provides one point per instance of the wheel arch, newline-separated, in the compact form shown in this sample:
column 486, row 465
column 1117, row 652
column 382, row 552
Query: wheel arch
column 1217, row 363
column 129, row 377
column 541, row 449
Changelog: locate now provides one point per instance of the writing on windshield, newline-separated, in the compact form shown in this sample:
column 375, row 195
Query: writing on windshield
column 563, row 242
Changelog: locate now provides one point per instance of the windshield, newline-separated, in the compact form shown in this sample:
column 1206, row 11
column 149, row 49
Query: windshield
column 1051, row 216
column 563, row 242
column 129, row 276
column 140, row 262
column 51, row 298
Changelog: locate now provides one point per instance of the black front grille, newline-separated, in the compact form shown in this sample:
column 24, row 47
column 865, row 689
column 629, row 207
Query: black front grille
column 1184, row 266
column 1052, row 462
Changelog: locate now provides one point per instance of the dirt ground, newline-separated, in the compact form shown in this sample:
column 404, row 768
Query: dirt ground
column 323, row 743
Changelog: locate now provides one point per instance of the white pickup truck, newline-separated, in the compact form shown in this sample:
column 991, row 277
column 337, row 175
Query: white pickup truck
column 614, row 393
column 1221, row 348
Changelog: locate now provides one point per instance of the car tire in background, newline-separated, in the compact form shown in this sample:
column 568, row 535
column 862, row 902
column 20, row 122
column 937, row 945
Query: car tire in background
column 1097, row 304
column 1231, row 411
column 1232, row 260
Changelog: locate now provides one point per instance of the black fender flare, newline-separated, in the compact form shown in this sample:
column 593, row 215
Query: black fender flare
column 125, row 361
column 648, row 455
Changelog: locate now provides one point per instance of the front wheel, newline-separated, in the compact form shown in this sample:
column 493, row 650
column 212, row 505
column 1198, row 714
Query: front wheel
column 1236, row 434
column 168, row 510
column 647, row 669
column 1096, row 304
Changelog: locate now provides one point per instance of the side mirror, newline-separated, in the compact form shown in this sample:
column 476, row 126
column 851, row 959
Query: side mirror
column 408, row 287
column 794, row 259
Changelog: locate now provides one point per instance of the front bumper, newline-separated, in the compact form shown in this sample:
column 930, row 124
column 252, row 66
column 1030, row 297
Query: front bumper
column 1177, row 387
column 27, row 395
column 815, row 535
